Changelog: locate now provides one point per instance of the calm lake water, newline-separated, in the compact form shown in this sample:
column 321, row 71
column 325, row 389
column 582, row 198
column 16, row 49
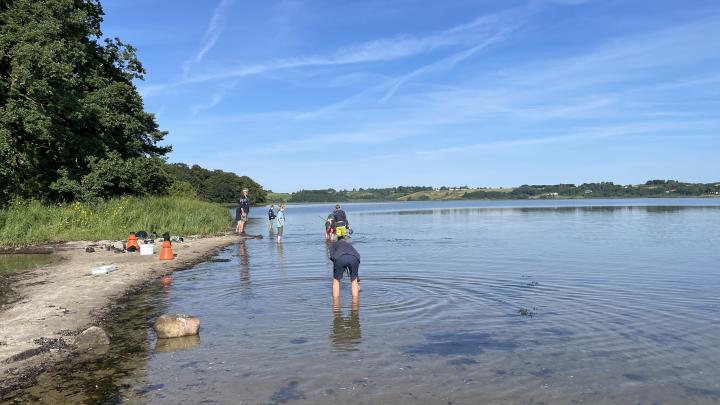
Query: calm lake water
column 619, row 298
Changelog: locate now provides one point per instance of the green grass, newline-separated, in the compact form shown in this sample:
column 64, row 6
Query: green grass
column 30, row 222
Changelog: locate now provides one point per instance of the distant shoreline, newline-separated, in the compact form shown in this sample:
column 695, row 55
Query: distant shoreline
column 650, row 189
column 559, row 198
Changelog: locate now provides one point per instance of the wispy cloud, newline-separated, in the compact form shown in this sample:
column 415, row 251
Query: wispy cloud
column 212, row 34
column 379, row 50
column 446, row 63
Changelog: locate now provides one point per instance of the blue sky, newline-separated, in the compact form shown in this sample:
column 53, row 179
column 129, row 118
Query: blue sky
column 315, row 94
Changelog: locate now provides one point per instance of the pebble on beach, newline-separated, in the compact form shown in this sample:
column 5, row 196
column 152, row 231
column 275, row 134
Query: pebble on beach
column 171, row 326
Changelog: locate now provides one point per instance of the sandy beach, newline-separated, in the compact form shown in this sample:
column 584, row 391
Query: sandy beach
column 56, row 302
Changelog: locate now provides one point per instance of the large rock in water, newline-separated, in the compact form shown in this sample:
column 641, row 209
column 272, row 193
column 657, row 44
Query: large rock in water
column 92, row 339
column 170, row 326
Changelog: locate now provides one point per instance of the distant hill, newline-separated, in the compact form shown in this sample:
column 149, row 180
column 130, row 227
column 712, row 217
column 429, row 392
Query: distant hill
column 651, row 189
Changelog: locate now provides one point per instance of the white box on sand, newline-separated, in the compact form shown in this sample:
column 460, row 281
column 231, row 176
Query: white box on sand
column 146, row 250
column 108, row 268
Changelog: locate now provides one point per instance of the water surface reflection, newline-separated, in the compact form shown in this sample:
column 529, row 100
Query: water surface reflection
column 346, row 334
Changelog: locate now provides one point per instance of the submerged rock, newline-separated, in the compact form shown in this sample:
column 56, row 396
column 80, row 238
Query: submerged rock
column 92, row 339
column 179, row 325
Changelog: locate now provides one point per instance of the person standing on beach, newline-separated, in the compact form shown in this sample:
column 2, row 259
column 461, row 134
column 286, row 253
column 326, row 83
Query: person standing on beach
column 340, row 222
column 243, row 212
column 344, row 257
column 280, row 222
column 271, row 217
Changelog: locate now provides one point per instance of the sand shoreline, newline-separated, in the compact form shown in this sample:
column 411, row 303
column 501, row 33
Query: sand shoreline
column 56, row 302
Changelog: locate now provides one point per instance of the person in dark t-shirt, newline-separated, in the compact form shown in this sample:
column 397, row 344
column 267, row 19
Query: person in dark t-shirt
column 344, row 257
column 271, row 217
column 242, row 212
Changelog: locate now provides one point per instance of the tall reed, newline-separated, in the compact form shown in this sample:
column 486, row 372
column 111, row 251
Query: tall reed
column 30, row 222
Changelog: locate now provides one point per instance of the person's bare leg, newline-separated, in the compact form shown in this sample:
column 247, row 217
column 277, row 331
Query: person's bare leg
column 336, row 288
column 355, row 288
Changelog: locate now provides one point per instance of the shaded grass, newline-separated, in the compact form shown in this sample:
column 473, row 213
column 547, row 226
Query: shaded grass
column 30, row 222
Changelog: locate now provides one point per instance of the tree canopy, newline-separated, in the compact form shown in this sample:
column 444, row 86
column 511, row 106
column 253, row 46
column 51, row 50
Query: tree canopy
column 72, row 123
column 216, row 185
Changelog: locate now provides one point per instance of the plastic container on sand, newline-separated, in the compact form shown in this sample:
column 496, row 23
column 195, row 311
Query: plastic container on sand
column 108, row 268
column 147, row 250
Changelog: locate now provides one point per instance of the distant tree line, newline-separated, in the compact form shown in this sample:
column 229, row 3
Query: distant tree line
column 652, row 188
column 361, row 194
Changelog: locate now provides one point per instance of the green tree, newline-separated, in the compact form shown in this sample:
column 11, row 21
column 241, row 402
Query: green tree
column 217, row 185
column 68, row 105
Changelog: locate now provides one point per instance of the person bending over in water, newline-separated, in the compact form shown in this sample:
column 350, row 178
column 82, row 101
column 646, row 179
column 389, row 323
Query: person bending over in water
column 340, row 222
column 344, row 257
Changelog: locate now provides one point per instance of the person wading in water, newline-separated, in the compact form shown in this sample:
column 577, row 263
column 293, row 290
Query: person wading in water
column 329, row 227
column 242, row 212
column 344, row 257
column 271, row 217
column 340, row 222
column 280, row 223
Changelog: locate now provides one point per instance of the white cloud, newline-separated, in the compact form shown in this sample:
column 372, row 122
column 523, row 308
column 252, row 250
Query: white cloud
column 379, row 50
column 212, row 34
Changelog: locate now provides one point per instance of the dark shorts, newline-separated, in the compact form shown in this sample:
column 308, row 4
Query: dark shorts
column 346, row 262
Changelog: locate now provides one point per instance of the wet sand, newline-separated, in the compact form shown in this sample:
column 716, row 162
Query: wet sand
column 54, row 303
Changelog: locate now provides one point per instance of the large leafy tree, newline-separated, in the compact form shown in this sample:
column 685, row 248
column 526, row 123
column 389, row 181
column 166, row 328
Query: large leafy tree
column 70, row 117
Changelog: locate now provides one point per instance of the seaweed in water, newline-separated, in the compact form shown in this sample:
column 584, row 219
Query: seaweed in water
column 634, row 377
column 526, row 312
column 542, row 373
column 287, row 393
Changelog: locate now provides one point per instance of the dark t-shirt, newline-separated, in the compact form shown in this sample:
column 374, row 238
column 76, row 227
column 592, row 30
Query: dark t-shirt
column 342, row 247
column 271, row 214
column 245, row 204
column 340, row 219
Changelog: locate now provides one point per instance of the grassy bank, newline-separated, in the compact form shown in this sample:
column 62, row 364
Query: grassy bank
column 26, row 223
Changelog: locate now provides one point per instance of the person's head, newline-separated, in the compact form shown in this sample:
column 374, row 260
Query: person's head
column 282, row 207
column 337, row 207
column 272, row 205
column 246, row 192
